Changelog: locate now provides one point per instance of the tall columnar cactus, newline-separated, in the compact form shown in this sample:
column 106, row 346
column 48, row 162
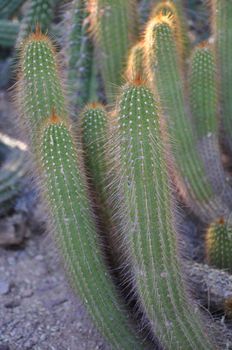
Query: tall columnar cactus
column 222, row 31
column 8, row 32
column 163, row 65
column 41, row 96
column 79, row 53
column 175, row 9
column 114, row 28
column 135, row 63
column 219, row 245
column 149, row 237
column 39, row 12
column 204, row 108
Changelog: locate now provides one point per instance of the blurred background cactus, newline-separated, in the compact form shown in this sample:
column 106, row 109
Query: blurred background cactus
column 125, row 109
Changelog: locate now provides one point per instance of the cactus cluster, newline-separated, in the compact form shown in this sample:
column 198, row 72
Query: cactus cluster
column 121, row 122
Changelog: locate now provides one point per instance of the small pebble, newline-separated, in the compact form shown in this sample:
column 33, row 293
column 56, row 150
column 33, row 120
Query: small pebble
column 4, row 288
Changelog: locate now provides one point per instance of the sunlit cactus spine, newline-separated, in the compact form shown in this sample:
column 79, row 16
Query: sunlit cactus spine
column 135, row 63
column 114, row 27
column 64, row 191
column 79, row 53
column 222, row 32
column 8, row 32
column 166, row 77
column 149, row 237
column 219, row 245
column 174, row 9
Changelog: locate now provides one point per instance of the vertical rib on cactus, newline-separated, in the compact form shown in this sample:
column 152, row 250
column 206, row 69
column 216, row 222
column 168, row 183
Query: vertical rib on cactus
column 204, row 108
column 222, row 14
column 39, row 12
column 150, row 237
column 135, row 63
column 164, row 69
column 79, row 53
column 8, row 32
column 219, row 245
column 65, row 192
column 114, row 27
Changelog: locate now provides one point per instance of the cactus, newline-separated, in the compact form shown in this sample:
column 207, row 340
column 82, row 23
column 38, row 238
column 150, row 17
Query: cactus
column 8, row 8
column 204, row 105
column 8, row 32
column 135, row 63
column 219, row 245
column 79, row 54
column 175, row 9
column 222, row 31
column 191, row 176
column 150, row 235
column 39, row 12
column 114, row 26
column 65, row 191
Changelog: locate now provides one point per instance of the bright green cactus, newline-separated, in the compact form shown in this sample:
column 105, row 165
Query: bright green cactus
column 65, row 192
column 8, row 8
column 222, row 31
column 79, row 52
column 8, row 32
column 114, row 28
column 219, row 245
column 150, row 234
column 163, row 65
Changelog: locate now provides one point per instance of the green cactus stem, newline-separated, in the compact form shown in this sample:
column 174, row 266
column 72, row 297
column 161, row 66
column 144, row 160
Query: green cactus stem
column 175, row 9
column 222, row 32
column 8, row 32
column 79, row 53
column 163, row 65
column 39, row 12
column 65, row 192
column 135, row 69
column 8, row 8
column 219, row 245
column 149, row 237
column 204, row 104
column 114, row 28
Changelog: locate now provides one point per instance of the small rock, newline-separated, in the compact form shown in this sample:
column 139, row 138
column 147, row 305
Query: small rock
column 12, row 304
column 4, row 288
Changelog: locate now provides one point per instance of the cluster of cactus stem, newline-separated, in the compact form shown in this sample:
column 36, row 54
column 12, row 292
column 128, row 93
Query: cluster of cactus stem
column 110, row 173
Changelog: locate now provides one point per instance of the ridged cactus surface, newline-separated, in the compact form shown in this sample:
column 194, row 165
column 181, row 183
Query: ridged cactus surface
column 204, row 108
column 222, row 31
column 163, row 65
column 149, row 237
column 39, row 12
column 8, row 32
column 65, row 192
column 9, row 7
column 79, row 53
column 219, row 245
column 114, row 27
